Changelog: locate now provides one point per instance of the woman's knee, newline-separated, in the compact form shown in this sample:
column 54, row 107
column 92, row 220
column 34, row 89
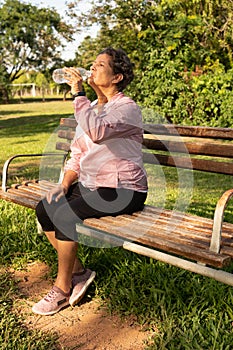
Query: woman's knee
column 44, row 216
column 65, row 220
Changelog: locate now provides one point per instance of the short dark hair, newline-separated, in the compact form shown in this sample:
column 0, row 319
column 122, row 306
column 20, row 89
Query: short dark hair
column 120, row 63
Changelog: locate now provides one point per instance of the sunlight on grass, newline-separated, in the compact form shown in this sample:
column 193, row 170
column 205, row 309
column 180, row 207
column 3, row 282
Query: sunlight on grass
column 26, row 128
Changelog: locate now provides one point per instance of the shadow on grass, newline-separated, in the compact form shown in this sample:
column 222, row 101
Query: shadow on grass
column 27, row 126
column 2, row 113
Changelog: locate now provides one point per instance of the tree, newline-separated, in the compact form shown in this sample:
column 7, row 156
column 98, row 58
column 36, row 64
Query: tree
column 30, row 37
column 182, row 51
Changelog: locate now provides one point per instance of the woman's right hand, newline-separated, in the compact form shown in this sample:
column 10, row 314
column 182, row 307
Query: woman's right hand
column 56, row 193
column 74, row 79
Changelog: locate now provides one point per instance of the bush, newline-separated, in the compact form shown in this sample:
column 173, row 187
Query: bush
column 200, row 97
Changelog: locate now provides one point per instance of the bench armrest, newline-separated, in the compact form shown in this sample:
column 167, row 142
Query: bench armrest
column 218, row 220
column 8, row 161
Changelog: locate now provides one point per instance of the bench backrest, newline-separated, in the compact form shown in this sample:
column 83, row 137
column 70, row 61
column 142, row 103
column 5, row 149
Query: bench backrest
column 190, row 147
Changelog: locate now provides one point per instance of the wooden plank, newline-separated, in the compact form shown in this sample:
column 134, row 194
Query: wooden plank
column 24, row 201
column 27, row 195
column 189, row 163
column 47, row 184
column 190, row 222
column 193, row 253
column 197, row 148
column 196, row 229
column 63, row 146
column 172, row 129
column 194, row 235
column 37, row 192
column 41, row 186
column 69, row 122
column 66, row 134
column 25, row 192
column 226, row 250
column 178, row 230
column 190, row 131
column 189, row 218
column 151, row 230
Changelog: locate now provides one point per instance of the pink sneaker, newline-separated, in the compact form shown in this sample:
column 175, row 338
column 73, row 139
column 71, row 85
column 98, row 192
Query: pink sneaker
column 53, row 302
column 80, row 283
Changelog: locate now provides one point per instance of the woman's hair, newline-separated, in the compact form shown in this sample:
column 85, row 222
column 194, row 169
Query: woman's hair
column 120, row 63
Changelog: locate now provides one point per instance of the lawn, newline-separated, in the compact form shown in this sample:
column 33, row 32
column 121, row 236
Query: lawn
column 189, row 311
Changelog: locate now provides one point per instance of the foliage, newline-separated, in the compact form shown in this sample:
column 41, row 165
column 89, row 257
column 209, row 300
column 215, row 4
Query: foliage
column 30, row 37
column 194, row 98
column 182, row 52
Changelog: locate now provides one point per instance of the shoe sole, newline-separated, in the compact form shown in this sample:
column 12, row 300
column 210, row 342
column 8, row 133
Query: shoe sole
column 79, row 296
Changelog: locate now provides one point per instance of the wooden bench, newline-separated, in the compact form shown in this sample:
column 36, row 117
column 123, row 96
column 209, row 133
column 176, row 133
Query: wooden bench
column 194, row 243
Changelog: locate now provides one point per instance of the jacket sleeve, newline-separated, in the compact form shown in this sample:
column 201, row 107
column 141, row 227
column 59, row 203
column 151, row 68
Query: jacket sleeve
column 74, row 161
column 122, row 119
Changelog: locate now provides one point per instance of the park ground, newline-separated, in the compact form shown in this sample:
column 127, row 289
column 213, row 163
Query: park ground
column 87, row 326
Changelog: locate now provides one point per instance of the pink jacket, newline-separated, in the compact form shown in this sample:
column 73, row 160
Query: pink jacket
column 107, row 147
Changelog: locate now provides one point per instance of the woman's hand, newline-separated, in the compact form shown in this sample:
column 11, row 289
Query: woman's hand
column 56, row 193
column 74, row 79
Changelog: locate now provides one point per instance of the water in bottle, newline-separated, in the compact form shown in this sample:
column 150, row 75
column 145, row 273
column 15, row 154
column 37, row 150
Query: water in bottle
column 60, row 76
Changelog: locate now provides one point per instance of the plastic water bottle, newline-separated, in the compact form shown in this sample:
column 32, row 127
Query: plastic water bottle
column 60, row 76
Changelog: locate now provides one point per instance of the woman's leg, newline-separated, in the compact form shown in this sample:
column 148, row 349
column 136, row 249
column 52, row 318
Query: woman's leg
column 66, row 257
column 62, row 217
column 77, row 266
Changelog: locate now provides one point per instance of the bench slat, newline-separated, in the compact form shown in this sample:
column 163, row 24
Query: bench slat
column 69, row 122
column 66, row 134
column 169, row 129
column 63, row 146
column 17, row 199
column 158, row 230
column 189, row 163
column 188, row 228
column 194, row 253
column 43, row 185
column 197, row 148
column 181, row 230
column 191, row 232
column 29, row 194
column 20, row 191
column 202, row 226
column 190, row 131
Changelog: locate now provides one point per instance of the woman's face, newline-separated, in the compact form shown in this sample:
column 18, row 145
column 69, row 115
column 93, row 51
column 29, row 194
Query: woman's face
column 102, row 72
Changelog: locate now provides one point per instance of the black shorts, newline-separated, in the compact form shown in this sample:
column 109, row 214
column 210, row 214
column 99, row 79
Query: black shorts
column 81, row 203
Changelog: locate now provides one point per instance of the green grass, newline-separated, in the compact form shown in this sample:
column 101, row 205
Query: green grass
column 28, row 127
column 187, row 310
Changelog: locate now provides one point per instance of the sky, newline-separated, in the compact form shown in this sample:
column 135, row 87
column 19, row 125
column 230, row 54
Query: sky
column 60, row 5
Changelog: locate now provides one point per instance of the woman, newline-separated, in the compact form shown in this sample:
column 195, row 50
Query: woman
column 104, row 176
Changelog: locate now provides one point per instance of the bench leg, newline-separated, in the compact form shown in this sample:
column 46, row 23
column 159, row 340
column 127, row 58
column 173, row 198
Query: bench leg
column 218, row 220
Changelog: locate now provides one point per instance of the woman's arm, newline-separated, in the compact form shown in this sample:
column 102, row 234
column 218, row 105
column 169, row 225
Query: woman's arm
column 61, row 190
column 121, row 119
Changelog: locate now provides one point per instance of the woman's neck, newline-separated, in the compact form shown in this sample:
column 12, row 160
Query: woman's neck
column 109, row 93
